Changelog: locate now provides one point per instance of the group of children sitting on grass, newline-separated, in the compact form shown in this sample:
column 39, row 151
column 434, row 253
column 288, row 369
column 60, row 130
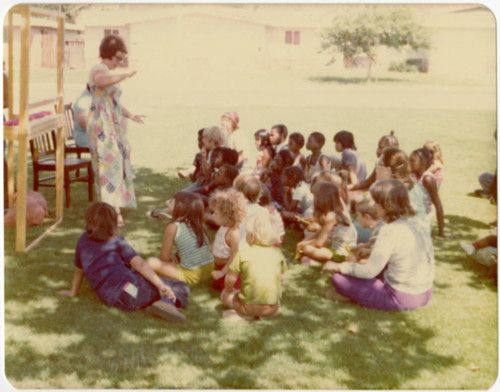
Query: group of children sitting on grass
column 371, row 231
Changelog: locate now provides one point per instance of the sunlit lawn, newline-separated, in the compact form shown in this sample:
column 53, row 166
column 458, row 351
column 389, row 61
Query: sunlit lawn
column 54, row 342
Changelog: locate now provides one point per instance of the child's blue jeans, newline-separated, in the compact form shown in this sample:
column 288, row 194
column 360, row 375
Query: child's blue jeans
column 141, row 293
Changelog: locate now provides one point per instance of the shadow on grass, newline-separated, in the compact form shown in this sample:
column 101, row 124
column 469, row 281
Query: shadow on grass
column 351, row 80
column 58, row 342
column 449, row 251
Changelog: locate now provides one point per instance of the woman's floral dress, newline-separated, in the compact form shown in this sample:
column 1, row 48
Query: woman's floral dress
column 109, row 146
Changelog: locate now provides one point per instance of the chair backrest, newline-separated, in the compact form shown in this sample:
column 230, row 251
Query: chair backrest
column 68, row 121
column 43, row 146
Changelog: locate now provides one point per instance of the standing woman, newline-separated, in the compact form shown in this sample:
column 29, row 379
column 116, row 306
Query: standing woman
column 107, row 129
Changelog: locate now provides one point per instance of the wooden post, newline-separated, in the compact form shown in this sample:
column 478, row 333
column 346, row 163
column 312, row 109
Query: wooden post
column 60, row 134
column 10, row 98
column 22, row 160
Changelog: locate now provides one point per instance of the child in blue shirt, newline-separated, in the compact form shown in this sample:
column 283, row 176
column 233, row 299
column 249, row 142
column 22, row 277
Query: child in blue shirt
column 117, row 274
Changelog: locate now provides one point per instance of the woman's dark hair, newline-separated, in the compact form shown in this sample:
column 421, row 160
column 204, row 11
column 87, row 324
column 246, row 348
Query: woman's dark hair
column 101, row 222
column 392, row 196
column 298, row 138
column 189, row 208
column 345, row 138
column 294, row 174
column 425, row 156
column 265, row 142
column 397, row 160
column 282, row 130
column 327, row 199
column 110, row 45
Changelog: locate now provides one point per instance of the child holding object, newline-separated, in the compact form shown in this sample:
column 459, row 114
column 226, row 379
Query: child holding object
column 403, row 252
column 333, row 233
column 262, row 267
column 192, row 263
column 117, row 274
column 229, row 210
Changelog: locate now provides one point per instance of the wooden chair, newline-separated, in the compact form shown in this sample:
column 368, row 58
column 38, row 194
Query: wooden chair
column 43, row 157
column 71, row 146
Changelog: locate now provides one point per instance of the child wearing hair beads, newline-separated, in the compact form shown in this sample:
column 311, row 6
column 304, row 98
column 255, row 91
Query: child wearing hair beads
column 262, row 267
column 192, row 263
column 229, row 210
column 335, row 234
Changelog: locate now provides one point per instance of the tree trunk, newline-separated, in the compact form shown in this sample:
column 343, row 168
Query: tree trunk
column 369, row 76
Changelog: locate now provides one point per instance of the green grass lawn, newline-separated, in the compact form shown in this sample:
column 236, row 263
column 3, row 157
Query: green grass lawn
column 452, row 343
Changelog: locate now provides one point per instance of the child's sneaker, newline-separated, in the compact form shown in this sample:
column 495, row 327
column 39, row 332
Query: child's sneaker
column 166, row 312
column 467, row 247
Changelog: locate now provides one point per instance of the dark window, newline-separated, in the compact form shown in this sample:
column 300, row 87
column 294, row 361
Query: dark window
column 288, row 37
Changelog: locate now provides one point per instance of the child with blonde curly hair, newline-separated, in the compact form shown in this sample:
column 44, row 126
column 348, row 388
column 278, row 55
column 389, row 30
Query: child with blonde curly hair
column 262, row 267
column 229, row 210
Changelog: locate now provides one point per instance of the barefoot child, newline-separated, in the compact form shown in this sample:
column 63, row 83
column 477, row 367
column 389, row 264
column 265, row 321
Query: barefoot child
column 262, row 267
column 335, row 233
column 229, row 210
column 117, row 274
column 192, row 263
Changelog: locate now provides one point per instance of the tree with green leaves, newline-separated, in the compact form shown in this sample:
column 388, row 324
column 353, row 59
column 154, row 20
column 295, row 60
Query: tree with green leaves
column 362, row 29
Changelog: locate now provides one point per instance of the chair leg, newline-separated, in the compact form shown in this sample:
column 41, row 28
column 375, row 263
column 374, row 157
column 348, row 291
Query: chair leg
column 90, row 175
column 67, row 188
column 35, row 179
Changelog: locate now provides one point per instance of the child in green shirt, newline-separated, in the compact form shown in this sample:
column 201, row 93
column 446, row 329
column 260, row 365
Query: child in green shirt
column 262, row 267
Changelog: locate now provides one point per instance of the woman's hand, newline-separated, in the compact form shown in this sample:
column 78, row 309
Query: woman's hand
column 137, row 118
column 330, row 267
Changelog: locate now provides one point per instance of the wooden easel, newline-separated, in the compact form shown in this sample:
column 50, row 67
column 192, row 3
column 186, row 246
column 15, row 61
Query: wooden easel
column 27, row 130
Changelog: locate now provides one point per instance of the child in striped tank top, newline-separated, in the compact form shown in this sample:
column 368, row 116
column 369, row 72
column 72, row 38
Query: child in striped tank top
column 193, row 262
